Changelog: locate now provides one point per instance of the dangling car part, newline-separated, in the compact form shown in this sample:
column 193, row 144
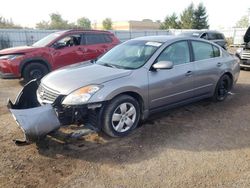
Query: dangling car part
column 35, row 120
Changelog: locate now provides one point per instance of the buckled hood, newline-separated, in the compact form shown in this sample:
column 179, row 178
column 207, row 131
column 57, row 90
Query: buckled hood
column 70, row 78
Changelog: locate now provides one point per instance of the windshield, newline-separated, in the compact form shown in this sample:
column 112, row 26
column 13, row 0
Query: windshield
column 46, row 40
column 129, row 55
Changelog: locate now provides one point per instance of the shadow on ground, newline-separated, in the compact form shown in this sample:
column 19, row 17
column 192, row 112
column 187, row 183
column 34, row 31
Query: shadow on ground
column 203, row 126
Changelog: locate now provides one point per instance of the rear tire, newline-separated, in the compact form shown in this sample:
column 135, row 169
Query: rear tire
column 223, row 86
column 34, row 71
column 121, row 116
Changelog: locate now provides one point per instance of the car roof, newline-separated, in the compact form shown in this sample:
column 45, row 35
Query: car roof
column 166, row 38
column 158, row 38
column 199, row 32
column 82, row 30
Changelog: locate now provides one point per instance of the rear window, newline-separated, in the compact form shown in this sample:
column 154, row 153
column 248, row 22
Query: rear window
column 220, row 36
column 204, row 50
column 215, row 36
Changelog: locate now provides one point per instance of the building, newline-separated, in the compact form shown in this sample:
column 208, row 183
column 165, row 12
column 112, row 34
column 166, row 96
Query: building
column 145, row 24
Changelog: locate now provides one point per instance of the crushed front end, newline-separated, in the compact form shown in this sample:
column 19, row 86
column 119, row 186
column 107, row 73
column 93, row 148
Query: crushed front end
column 39, row 111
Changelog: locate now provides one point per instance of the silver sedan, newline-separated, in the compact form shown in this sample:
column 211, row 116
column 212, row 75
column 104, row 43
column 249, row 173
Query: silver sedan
column 128, row 83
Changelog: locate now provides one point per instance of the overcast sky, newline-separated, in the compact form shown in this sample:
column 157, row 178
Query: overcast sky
column 222, row 13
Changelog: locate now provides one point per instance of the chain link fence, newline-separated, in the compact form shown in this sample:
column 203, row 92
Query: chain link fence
column 22, row 37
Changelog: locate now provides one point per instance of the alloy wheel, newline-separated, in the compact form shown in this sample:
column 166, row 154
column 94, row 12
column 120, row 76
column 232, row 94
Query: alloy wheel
column 124, row 117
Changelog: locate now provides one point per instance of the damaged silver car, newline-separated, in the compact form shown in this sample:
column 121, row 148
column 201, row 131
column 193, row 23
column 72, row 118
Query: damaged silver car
column 126, row 85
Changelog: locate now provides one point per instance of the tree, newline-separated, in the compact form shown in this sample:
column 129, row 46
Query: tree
column 107, row 24
column 84, row 23
column 8, row 24
column 171, row 22
column 187, row 17
column 42, row 25
column 56, row 22
column 200, row 20
column 243, row 22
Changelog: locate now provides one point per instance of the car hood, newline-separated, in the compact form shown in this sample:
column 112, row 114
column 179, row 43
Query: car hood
column 17, row 50
column 70, row 78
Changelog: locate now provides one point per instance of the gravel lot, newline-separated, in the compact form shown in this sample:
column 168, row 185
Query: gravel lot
column 200, row 145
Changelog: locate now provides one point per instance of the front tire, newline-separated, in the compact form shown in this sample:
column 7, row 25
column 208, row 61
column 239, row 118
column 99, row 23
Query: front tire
column 223, row 87
column 121, row 116
column 34, row 71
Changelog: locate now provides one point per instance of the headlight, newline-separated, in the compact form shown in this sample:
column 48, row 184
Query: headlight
column 82, row 95
column 10, row 57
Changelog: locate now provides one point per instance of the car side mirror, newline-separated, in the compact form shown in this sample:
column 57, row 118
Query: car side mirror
column 163, row 65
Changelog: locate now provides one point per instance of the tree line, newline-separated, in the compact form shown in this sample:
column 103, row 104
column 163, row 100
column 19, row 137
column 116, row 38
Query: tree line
column 57, row 22
column 191, row 18
column 8, row 24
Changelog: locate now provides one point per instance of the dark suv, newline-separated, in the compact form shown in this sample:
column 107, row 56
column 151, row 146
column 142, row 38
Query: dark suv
column 54, row 51
column 213, row 36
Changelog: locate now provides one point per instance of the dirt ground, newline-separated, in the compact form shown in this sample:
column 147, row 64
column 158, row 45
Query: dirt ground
column 200, row 145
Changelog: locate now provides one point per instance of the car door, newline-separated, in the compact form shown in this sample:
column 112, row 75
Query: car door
column 169, row 86
column 208, row 64
column 67, row 51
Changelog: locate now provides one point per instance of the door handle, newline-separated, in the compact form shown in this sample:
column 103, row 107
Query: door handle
column 189, row 73
column 219, row 64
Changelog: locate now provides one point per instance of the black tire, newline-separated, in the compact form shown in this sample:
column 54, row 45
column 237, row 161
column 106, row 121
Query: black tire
column 115, row 105
column 34, row 71
column 223, row 86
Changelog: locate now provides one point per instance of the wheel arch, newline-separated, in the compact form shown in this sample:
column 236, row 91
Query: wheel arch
column 135, row 95
column 30, row 60
column 230, row 75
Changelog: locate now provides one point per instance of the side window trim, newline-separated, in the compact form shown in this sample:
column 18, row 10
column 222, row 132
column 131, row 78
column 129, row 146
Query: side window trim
column 83, row 39
column 191, row 51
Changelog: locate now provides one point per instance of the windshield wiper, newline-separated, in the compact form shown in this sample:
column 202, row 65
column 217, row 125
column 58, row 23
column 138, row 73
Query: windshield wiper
column 109, row 65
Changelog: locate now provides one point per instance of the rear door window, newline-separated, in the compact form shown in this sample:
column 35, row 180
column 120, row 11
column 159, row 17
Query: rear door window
column 107, row 38
column 90, row 39
column 203, row 50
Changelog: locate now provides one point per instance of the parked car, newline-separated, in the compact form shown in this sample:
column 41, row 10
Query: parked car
column 213, row 36
column 243, row 53
column 126, row 85
column 54, row 51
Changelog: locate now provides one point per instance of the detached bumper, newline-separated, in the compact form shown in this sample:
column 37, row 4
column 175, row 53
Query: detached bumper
column 34, row 120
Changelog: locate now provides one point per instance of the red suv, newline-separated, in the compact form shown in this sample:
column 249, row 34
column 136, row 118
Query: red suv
column 54, row 51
